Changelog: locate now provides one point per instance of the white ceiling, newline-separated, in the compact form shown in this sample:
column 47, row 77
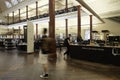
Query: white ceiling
column 105, row 8
column 5, row 4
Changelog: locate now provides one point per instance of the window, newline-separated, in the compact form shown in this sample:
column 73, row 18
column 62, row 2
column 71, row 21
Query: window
column 19, row 0
column 14, row 2
column 87, row 34
column 8, row 4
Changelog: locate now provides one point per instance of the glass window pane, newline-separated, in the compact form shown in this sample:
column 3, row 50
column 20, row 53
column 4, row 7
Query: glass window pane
column 87, row 34
column 14, row 2
column 20, row 0
column 8, row 4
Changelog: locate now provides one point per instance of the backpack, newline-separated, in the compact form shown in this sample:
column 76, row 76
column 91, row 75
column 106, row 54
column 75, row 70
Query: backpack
column 48, row 45
column 65, row 42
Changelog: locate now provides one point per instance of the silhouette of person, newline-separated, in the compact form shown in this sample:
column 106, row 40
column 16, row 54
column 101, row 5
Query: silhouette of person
column 48, row 47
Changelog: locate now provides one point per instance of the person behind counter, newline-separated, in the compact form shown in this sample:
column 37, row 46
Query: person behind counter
column 67, row 43
column 79, row 39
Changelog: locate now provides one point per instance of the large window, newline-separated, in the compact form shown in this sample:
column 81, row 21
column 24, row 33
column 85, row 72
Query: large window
column 20, row 0
column 87, row 34
column 8, row 4
column 14, row 2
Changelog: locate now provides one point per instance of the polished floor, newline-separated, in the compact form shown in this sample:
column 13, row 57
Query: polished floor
column 16, row 65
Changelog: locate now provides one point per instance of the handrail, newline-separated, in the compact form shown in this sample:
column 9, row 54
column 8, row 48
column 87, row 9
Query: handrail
column 62, row 11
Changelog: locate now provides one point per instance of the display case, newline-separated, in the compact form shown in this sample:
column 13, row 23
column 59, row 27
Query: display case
column 9, row 43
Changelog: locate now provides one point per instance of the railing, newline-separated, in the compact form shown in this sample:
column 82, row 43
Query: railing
column 62, row 11
column 3, row 23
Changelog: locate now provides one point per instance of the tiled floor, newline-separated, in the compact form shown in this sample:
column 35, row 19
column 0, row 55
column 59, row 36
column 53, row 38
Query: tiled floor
column 16, row 65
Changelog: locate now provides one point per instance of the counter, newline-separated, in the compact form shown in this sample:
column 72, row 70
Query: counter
column 22, row 47
column 107, row 55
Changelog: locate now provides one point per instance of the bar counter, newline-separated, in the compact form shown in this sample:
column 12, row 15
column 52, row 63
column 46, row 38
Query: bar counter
column 106, row 55
column 22, row 47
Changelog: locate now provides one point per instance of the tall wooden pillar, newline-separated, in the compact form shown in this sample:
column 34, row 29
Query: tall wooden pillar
column 66, row 20
column 52, row 18
column 37, row 9
column 90, row 28
column 8, row 18
column 19, row 14
column 19, row 33
column 13, row 33
column 6, row 35
column 13, row 16
column 49, row 28
column 36, row 31
column 79, row 21
column 25, row 33
column 66, row 5
column 26, row 12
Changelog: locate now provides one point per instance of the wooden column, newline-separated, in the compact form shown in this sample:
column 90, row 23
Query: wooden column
column 25, row 33
column 66, row 20
column 79, row 21
column 49, row 28
column 37, row 9
column 13, row 16
column 8, row 18
column 52, row 18
column 26, row 12
column 19, row 14
column 7, row 31
column 66, row 5
column 36, row 31
column 13, row 32
column 90, row 28
column 19, row 33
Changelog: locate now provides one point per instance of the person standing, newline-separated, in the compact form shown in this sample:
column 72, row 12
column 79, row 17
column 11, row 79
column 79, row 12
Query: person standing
column 44, row 54
column 67, row 43
column 48, row 47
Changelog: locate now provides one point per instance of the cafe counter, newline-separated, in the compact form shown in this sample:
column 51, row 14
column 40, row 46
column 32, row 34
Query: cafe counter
column 106, row 55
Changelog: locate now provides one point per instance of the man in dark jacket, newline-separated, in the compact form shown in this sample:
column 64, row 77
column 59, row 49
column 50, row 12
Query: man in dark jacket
column 67, row 43
column 48, row 47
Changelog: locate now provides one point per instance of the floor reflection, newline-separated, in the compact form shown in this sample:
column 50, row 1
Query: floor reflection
column 15, row 65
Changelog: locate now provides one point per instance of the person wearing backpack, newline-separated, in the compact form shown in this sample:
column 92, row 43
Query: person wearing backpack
column 48, row 47
column 67, row 43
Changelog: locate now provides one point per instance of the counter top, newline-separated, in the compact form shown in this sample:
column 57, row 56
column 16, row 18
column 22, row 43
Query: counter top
column 95, row 46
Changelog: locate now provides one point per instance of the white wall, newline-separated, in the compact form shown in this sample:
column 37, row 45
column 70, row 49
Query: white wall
column 110, row 25
column 3, row 29
column 30, row 37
